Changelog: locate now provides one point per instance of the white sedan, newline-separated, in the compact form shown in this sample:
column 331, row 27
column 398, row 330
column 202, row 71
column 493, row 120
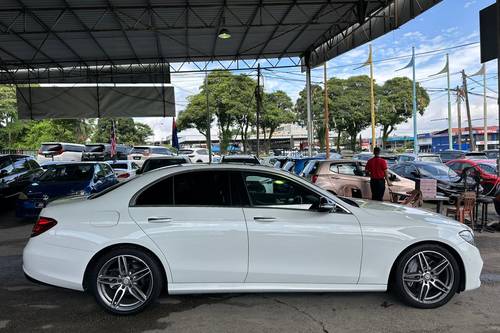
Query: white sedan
column 229, row 228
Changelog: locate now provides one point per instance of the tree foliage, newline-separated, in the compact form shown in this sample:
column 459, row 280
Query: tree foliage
column 127, row 131
column 278, row 110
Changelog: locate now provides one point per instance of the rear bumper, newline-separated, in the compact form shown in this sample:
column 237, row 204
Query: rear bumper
column 55, row 265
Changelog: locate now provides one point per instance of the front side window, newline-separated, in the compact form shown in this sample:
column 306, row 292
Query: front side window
column 488, row 168
column 273, row 191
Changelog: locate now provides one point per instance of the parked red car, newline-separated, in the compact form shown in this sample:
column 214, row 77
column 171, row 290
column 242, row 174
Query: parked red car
column 486, row 168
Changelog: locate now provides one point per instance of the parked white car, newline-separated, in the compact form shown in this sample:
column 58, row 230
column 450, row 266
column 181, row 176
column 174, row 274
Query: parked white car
column 60, row 151
column 197, row 155
column 139, row 154
column 124, row 169
column 229, row 228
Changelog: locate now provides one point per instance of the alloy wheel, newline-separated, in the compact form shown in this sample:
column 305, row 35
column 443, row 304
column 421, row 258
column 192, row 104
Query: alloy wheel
column 428, row 277
column 124, row 283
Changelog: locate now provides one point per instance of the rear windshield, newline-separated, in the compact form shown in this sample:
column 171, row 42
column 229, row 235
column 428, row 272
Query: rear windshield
column 72, row 172
column 140, row 150
column 95, row 148
column 152, row 164
column 51, row 147
column 185, row 151
column 240, row 160
column 431, row 159
column 119, row 166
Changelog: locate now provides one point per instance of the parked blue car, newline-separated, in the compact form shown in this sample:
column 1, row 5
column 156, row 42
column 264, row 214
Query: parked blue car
column 64, row 179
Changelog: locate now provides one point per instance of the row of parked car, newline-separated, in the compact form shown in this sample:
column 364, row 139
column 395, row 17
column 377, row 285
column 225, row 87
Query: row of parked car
column 62, row 151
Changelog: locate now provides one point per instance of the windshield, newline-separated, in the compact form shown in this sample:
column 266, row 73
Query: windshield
column 140, row 150
column 119, row 166
column 73, row 172
column 439, row 170
column 94, row 148
column 431, row 159
column 152, row 164
column 51, row 147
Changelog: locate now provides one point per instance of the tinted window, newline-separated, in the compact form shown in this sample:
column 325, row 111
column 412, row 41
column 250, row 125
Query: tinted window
column 140, row 150
column 95, row 148
column 51, row 147
column 185, row 151
column 21, row 165
column 162, row 151
column 202, row 151
column 6, row 166
column 107, row 169
column 277, row 192
column 436, row 170
column 488, row 168
column 72, row 172
column 33, row 164
column 430, row 159
column 153, row 164
column 206, row 188
column 408, row 170
column 160, row 193
column 119, row 166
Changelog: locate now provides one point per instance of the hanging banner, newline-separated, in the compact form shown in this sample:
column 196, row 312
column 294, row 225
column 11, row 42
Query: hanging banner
column 95, row 102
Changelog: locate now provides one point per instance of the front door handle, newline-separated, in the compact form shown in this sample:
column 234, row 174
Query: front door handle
column 264, row 219
column 154, row 219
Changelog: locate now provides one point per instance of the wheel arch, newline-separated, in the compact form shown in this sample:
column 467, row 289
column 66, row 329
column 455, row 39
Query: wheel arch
column 452, row 251
column 123, row 245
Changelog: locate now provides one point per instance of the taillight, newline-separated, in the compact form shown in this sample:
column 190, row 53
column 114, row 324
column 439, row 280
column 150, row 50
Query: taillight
column 314, row 178
column 124, row 175
column 43, row 224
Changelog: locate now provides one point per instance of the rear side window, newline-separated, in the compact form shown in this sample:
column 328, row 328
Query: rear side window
column 95, row 148
column 158, row 194
column 51, row 147
column 209, row 188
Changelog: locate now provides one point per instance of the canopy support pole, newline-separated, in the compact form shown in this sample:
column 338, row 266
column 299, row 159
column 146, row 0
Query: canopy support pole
column 309, row 110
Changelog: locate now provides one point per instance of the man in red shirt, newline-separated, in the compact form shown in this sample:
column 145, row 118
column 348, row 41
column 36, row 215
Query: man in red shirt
column 377, row 170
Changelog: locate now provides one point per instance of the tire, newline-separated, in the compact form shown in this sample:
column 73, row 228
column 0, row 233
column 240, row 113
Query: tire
column 125, row 291
column 426, row 288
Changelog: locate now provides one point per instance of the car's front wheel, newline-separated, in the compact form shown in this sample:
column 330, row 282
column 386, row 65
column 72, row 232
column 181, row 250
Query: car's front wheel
column 125, row 280
column 426, row 276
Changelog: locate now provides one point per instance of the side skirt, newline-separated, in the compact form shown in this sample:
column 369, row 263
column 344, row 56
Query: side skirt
column 202, row 288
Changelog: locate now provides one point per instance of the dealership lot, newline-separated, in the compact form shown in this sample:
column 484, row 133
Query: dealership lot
column 27, row 307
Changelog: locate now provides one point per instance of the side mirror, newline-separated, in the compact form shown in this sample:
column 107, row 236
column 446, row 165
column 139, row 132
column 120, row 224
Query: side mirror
column 326, row 205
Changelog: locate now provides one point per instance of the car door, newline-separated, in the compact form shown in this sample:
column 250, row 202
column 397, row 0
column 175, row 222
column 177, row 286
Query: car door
column 198, row 224
column 290, row 241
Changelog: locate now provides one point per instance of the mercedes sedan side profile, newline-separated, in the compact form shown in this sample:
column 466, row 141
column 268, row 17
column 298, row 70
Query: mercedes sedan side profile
column 240, row 228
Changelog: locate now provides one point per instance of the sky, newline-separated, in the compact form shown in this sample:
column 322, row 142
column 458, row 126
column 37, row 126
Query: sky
column 450, row 23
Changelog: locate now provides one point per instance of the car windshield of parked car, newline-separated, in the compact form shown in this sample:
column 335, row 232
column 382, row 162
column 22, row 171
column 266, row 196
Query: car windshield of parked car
column 119, row 166
column 488, row 168
column 50, row 147
column 185, row 151
column 240, row 160
column 439, row 170
column 74, row 172
column 430, row 159
column 140, row 150
column 94, row 148
column 153, row 164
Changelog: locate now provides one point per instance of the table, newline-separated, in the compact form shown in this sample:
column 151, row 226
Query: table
column 439, row 205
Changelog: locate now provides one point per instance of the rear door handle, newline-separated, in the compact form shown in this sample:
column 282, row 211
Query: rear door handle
column 264, row 219
column 154, row 219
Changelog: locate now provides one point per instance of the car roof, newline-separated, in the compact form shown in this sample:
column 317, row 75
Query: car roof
column 167, row 157
column 62, row 143
column 239, row 156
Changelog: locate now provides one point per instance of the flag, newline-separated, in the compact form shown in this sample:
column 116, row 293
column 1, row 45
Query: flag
column 368, row 61
column 113, row 139
column 175, row 138
column 410, row 64
column 481, row 71
column 444, row 70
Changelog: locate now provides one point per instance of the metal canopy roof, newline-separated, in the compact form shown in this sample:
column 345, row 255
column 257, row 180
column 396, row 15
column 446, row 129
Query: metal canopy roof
column 42, row 34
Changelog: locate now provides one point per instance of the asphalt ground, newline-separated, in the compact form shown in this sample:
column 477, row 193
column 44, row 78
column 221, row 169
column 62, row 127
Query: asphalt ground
column 29, row 307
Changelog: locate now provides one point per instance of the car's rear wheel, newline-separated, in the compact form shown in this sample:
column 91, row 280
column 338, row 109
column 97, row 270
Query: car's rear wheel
column 426, row 276
column 125, row 280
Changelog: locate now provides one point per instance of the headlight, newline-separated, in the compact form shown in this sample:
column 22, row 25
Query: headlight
column 467, row 236
column 23, row 196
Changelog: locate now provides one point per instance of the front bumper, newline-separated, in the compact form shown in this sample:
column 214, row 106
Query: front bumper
column 473, row 264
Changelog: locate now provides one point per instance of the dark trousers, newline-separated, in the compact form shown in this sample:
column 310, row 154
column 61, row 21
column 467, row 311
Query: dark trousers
column 378, row 189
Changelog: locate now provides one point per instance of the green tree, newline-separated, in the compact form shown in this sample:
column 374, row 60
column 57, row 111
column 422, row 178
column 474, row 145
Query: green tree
column 395, row 106
column 127, row 131
column 12, row 130
column 278, row 110
column 230, row 99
